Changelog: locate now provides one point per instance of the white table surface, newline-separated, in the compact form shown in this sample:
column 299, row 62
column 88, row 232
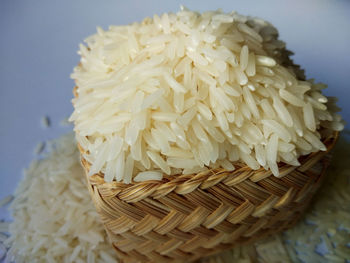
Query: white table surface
column 39, row 40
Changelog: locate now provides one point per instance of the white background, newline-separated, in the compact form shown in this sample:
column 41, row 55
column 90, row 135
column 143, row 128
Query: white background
column 39, row 40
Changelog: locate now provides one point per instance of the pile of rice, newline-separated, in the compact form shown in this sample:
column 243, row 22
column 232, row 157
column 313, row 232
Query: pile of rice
column 324, row 233
column 54, row 217
column 185, row 92
column 55, row 220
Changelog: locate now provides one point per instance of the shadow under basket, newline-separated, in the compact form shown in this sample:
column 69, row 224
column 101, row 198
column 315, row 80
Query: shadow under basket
column 186, row 217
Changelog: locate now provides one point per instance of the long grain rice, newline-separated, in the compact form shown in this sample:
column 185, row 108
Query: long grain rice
column 53, row 208
column 194, row 82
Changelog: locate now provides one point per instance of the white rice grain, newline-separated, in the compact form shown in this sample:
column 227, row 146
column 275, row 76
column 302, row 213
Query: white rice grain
column 278, row 129
column 149, row 175
column 309, row 117
column 120, row 165
column 129, row 167
column 250, row 70
column 244, row 57
column 272, row 148
column 290, row 98
column 159, row 161
column 250, row 102
column 265, row 61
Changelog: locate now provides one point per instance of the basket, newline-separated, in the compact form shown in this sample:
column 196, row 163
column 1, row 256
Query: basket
column 186, row 217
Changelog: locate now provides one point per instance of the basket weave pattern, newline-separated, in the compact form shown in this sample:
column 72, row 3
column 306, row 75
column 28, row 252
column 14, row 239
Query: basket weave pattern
column 183, row 218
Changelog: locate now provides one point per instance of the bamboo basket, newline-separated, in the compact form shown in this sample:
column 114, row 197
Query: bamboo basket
column 186, row 217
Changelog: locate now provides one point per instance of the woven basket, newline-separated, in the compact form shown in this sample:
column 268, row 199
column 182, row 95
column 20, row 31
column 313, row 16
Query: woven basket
column 186, row 217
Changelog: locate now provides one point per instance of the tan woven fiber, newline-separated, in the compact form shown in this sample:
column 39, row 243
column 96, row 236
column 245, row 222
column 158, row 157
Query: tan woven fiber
column 186, row 217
